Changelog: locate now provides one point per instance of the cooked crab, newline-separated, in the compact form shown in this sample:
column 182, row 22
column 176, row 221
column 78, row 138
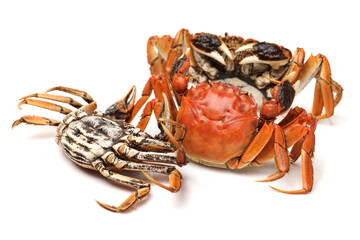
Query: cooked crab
column 264, row 69
column 224, row 130
column 105, row 142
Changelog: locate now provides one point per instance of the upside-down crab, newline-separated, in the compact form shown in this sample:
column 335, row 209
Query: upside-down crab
column 105, row 142
column 261, row 68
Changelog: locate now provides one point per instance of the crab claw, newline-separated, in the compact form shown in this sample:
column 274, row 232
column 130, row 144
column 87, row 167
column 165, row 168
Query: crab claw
column 178, row 79
column 270, row 110
column 263, row 52
column 212, row 46
column 285, row 93
column 123, row 107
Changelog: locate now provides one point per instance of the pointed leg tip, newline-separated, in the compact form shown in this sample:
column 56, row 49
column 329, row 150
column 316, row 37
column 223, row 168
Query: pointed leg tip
column 22, row 103
column 108, row 207
column 51, row 89
column 276, row 189
column 262, row 180
column 29, row 96
column 300, row 191
column 16, row 123
column 272, row 177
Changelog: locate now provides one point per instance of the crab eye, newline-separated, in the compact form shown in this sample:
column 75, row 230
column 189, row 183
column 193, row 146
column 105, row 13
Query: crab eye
column 268, row 51
column 206, row 42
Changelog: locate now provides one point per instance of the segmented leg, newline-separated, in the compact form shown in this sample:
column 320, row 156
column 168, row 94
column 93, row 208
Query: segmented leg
column 159, row 86
column 148, row 144
column 179, row 133
column 281, row 154
column 174, row 181
column 179, row 46
column 62, row 99
column 45, row 105
column 152, row 106
column 296, row 150
column 157, row 53
column 177, row 139
column 84, row 95
column 327, row 93
column 298, row 130
column 119, row 164
column 142, row 187
column 256, row 146
column 295, row 66
column 307, row 152
column 167, row 59
column 271, row 137
column 123, row 150
column 54, row 107
column 35, row 120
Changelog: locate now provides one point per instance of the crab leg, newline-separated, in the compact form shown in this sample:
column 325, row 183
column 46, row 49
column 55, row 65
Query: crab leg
column 179, row 133
column 166, row 59
column 157, row 53
column 62, row 99
column 174, row 181
column 179, row 46
column 325, row 87
column 298, row 130
column 142, row 187
column 158, row 85
column 46, row 105
column 149, row 144
column 73, row 91
column 152, row 106
column 296, row 150
column 131, row 153
column 174, row 175
column 281, row 155
column 255, row 147
column 55, row 107
column 295, row 66
column 294, row 131
column 35, row 120
column 307, row 153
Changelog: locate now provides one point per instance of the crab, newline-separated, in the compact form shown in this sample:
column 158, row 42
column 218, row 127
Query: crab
column 267, row 70
column 105, row 142
column 223, row 128
column 225, row 131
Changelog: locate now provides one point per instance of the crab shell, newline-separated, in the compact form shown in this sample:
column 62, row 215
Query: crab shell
column 221, row 122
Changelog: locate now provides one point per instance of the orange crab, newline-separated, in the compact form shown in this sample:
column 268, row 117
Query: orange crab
column 261, row 68
column 223, row 130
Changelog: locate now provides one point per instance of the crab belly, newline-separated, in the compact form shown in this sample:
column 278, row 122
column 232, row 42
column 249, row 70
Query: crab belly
column 85, row 140
column 216, row 132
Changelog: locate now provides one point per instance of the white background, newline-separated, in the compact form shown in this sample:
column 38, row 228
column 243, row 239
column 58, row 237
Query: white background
column 100, row 47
